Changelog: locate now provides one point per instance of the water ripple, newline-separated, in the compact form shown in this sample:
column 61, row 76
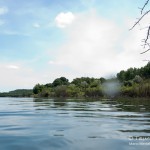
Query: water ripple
column 43, row 124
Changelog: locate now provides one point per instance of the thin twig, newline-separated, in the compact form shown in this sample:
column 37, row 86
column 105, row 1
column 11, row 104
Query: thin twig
column 146, row 42
column 147, row 34
column 144, row 6
column 140, row 19
column 145, row 51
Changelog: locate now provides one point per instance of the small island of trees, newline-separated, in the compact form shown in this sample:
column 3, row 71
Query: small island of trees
column 134, row 82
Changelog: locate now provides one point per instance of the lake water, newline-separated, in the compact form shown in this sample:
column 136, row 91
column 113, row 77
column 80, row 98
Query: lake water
column 57, row 124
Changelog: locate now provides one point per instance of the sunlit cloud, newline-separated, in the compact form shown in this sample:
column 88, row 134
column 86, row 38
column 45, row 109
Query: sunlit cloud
column 13, row 67
column 51, row 62
column 99, row 47
column 18, row 77
column 64, row 19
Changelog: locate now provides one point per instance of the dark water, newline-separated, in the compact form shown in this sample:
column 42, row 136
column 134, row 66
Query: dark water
column 48, row 124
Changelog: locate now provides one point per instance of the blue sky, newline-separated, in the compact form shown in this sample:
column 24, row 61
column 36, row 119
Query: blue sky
column 41, row 40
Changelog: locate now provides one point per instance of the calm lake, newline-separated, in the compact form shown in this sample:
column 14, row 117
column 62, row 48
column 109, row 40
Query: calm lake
column 69, row 124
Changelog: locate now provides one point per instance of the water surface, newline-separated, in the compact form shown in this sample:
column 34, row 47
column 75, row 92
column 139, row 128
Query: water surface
column 69, row 124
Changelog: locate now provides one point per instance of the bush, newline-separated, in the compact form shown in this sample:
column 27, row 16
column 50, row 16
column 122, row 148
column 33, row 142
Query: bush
column 94, row 92
column 128, row 83
column 137, row 79
column 61, row 91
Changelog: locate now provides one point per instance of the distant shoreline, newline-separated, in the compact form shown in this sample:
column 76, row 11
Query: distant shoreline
column 133, row 82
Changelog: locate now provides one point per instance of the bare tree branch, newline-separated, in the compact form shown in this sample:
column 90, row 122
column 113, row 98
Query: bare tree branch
column 146, row 41
column 142, row 9
column 147, row 34
column 140, row 19
column 145, row 51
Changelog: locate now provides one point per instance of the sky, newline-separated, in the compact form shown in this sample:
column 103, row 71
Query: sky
column 41, row 40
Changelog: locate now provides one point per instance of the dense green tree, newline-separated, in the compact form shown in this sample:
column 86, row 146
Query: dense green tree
column 61, row 91
column 129, row 74
column 73, row 90
column 84, row 84
column 48, row 85
column 137, row 79
column 128, row 83
column 143, row 72
column 94, row 92
column 95, row 83
column 60, row 81
column 80, row 81
column 37, row 88
column 102, row 80
column 121, row 75
column 146, row 71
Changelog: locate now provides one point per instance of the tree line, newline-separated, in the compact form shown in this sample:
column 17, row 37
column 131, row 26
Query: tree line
column 18, row 93
column 133, row 82
column 61, row 87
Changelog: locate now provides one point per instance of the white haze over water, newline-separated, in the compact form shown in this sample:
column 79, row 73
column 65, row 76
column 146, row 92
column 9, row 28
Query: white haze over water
column 111, row 88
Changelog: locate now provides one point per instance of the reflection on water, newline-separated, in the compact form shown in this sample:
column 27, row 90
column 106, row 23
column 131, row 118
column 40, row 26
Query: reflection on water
column 43, row 124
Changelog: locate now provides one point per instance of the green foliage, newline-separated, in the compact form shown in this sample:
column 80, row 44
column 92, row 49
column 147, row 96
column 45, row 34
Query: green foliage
column 48, row 85
column 143, row 90
column 131, row 73
column 17, row 93
column 95, row 83
column 60, row 81
column 45, row 92
column 61, row 87
column 127, row 91
column 146, row 71
column 84, row 84
column 37, row 88
column 121, row 75
column 127, row 75
column 61, row 91
column 73, row 91
column 137, row 90
column 133, row 82
column 94, row 92
column 82, row 81
column 102, row 80
column 137, row 79
column 128, row 83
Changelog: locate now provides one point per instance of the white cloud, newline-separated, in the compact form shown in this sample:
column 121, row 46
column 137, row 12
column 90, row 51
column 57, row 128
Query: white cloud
column 13, row 67
column 64, row 19
column 51, row 62
column 36, row 25
column 3, row 10
column 18, row 77
column 99, row 47
column 11, row 32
